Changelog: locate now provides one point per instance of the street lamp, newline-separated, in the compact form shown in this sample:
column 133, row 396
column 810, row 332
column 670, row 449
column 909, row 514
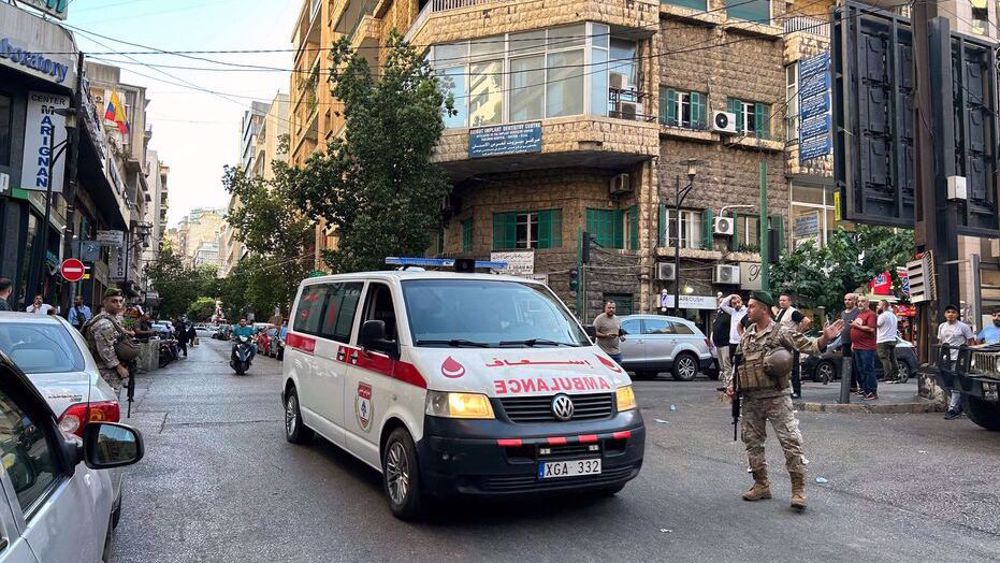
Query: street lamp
column 43, row 233
column 679, row 196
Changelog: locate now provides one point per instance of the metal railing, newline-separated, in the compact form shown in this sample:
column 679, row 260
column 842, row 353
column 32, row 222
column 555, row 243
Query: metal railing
column 807, row 24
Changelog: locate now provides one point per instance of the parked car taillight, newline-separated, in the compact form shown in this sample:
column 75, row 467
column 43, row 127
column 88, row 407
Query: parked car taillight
column 76, row 416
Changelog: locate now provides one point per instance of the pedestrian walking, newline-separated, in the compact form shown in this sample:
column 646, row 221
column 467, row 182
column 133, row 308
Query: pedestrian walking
column 109, row 342
column 763, row 378
column 6, row 288
column 182, row 335
column 609, row 332
column 192, row 334
column 733, row 306
column 792, row 319
column 720, row 339
column 38, row 306
column 864, row 348
column 991, row 333
column 79, row 313
column 850, row 313
column 954, row 333
column 885, row 341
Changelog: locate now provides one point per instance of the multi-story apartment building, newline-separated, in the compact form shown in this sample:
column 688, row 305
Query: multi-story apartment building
column 156, row 210
column 201, row 226
column 273, row 127
column 253, row 120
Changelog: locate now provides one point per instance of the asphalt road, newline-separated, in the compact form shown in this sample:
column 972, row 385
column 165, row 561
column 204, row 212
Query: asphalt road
column 220, row 483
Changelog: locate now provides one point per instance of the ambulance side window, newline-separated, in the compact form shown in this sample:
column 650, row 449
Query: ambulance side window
column 378, row 307
column 309, row 315
column 342, row 307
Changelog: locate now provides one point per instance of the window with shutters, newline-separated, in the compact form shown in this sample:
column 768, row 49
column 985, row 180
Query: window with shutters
column 467, row 235
column 607, row 227
column 527, row 229
column 690, row 228
column 701, row 5
column 624, row 302
column 756, row 11
column 752, row 118
column 683, row 109
column 746, row 233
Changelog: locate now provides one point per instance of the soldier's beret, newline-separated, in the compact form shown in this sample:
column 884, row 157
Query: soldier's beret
column 764, row 297
column 112, row 292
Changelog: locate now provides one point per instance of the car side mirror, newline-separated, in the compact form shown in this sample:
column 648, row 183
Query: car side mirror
column 591, row 331
column 373, row 338
column 108, row 444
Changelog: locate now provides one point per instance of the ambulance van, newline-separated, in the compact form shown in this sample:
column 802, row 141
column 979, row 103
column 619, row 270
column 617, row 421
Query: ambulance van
column 458, row 384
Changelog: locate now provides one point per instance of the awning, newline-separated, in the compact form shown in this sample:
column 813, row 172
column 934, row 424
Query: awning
column 93, row 179
column 978, row 4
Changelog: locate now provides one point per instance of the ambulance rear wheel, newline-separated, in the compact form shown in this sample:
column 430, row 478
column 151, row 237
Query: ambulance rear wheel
column 401, row 476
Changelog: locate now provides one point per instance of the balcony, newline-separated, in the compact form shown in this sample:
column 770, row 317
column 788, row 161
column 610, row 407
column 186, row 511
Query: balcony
column 807, row 24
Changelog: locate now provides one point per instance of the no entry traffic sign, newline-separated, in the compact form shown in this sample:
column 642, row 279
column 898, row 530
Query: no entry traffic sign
column 72, row 270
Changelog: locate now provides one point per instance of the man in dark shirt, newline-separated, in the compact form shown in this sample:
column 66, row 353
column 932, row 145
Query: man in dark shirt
column 720, row 339
column 850, row 313
column 6, row 287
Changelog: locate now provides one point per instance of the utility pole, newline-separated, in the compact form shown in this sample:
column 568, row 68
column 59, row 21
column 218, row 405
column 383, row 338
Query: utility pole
column 69, row 192
column 765, row 266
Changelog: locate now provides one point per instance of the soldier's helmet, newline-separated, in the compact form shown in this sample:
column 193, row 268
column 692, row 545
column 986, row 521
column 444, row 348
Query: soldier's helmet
column 778, row 362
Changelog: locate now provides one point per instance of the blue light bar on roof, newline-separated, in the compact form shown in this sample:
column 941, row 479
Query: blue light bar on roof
column 443, row 263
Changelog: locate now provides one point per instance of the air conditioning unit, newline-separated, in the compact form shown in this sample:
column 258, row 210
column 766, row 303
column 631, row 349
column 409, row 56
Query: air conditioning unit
column 627, row 110
column 621, row 184
column 726, row 274
column 724, row 122
column 618, row 81
column 665, row 271
column 724, row 226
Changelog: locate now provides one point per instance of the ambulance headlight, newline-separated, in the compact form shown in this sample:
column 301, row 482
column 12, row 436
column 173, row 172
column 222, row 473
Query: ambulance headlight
column 459, row 405
column 625, row 398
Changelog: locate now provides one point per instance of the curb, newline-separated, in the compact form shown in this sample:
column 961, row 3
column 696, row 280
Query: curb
column 919, row 406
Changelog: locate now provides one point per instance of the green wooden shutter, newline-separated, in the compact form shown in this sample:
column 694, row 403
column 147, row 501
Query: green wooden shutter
column 618, row 226
column 696, row 111
column 671, row 106
column 545, row 229
column 778, row 224
column 760, row 117
column 734, row 241
column 663, row 104
column 467, row 235
column 504, row 231
column 662, row 226
column 633, row 227
column 556, row 228
column 707, row 229
column 736, row 106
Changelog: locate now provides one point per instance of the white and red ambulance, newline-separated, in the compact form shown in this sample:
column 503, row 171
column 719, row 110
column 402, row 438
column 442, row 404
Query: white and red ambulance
column 457, row 383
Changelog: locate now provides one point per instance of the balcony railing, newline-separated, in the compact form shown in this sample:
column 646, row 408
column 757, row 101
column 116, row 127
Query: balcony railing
column 443, row 6
column 807, row 24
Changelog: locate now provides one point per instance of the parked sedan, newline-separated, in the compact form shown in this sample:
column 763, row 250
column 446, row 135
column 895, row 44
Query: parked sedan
column 826, row 368
column 57, row 504
column 655, row 343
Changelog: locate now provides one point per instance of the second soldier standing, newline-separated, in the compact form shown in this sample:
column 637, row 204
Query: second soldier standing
column 764, row 376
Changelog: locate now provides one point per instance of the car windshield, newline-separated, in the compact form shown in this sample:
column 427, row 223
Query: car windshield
column 482, row 313
column 41, row 348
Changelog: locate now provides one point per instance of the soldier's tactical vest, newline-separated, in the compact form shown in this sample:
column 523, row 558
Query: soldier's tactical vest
column 751, row 373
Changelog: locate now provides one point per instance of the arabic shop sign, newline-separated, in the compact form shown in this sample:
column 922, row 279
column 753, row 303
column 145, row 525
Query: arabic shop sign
column 500, row 140
column 519, row 262
column 814, row 107
column 55, row 8
column 44, row 129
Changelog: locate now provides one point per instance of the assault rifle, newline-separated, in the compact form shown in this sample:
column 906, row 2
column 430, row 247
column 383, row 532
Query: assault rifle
column 737, row 359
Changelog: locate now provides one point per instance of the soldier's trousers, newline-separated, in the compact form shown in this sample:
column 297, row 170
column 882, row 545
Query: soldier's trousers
column 756, row 413
column 112, row 378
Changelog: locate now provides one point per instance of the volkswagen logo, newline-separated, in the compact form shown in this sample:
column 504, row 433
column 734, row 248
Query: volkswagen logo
column 562, row 407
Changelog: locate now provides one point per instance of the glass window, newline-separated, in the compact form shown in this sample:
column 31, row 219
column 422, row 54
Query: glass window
column 565, row 83
column 701, row 5
column 690, row 224
column 536, row 229
column 41, row 348
column 600, row 96
column 631, row 326
column 623, row 61
column 451, row 54
column 6, row 118
column 447, row 309
column 681, row 328
column 527, row 88
column 341, row 309
column 527, row 230
column 568, row 36
column 792, row 102
column 757, row 11
column 486, row 93
column 379, row 307
column 27, row 454
column 746, row 237
column 599, row 35
column 487, row 47
column 527, row 42
column 623, row 302
column 657, row 326
column 454, row 82
column 309, row 315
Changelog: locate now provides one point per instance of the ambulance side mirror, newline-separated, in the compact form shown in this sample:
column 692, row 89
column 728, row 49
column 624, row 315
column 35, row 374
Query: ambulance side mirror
column 591, row 331
column 373, row 338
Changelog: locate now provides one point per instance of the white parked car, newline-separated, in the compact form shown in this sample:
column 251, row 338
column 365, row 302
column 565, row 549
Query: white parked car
column 56, row 359
column 57, row 499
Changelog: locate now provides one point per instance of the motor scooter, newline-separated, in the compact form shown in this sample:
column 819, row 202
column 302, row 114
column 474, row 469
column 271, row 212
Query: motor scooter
column 241, row 355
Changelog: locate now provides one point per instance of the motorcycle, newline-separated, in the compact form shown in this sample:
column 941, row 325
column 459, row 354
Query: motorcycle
column 241, row 355
column 168, row 351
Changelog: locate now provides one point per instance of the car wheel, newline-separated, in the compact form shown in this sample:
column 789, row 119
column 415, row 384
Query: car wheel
column 401, row 476
column 904, row 371
column 295, row 431
column 109, row 543
column 825, row 372
column 982, row 413
column 685, row 367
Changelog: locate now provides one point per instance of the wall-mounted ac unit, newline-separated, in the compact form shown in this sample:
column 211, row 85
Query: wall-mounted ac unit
column 724, row 122
column 621, row 184
column 618, row 81
column 626, row 110
column 724, row 226
column 665, row 271
column 726, row 274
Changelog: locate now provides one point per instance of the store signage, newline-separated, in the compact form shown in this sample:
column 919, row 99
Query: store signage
column 750, row 275
column 117, row 265
column 704, row 302
column 501, row 140
column 110, row 238
column 55, row 8
column 90, row 250
column 814, row 107
column 16, row 55
column 43, row 129
column 807, row 225
column 519, row 263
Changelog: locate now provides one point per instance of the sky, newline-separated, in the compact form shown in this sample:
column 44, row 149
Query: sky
column 195, row 133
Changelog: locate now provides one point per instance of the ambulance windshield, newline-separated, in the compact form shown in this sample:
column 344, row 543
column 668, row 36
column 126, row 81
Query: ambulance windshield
column 483, row 313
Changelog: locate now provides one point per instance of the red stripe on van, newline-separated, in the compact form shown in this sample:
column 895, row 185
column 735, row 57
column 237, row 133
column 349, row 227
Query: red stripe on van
column 384, row 365
column 299, row 342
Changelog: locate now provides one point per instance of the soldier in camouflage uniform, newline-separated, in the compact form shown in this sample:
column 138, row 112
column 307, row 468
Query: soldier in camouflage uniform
column 764, row 378
column 102, row 333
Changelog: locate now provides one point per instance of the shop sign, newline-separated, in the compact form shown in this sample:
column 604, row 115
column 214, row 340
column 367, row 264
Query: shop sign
column 117, row 265
column 55, row 71
column 43, row 166
column 500, row 140
column 90, row 251
column 750, row 275
column 807, row 225
column 703, row 302
column 519, row 263
column 814, row 106
column 110, row 238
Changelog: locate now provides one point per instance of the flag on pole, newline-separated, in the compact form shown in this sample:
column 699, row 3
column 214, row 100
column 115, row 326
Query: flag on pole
column 116, row 113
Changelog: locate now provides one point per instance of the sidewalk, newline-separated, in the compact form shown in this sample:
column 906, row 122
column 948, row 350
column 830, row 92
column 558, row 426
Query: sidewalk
column 893, row 399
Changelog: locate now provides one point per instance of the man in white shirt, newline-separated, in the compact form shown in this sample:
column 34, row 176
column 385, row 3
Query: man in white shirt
column 734, row 306
column 885, row 340
column 38, row 307
column 954, row 333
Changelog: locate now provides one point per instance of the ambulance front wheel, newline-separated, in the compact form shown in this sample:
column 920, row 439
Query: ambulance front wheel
column 401, row 476
column 295, row 431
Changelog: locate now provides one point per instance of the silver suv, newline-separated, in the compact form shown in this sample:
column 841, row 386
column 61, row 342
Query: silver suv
column 655, row 343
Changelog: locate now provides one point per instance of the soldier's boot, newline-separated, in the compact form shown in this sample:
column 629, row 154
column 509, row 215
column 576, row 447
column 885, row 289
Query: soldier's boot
column 761, row 488
column 798, row 491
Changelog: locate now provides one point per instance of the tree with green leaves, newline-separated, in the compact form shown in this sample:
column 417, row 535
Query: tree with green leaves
column 254, row 286
column 819, row 277
column 178, row 285
column 376, row 185
column 202, row 309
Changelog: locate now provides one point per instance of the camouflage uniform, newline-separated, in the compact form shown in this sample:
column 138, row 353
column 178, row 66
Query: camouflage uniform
column 102, row 332
column 766, row 398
